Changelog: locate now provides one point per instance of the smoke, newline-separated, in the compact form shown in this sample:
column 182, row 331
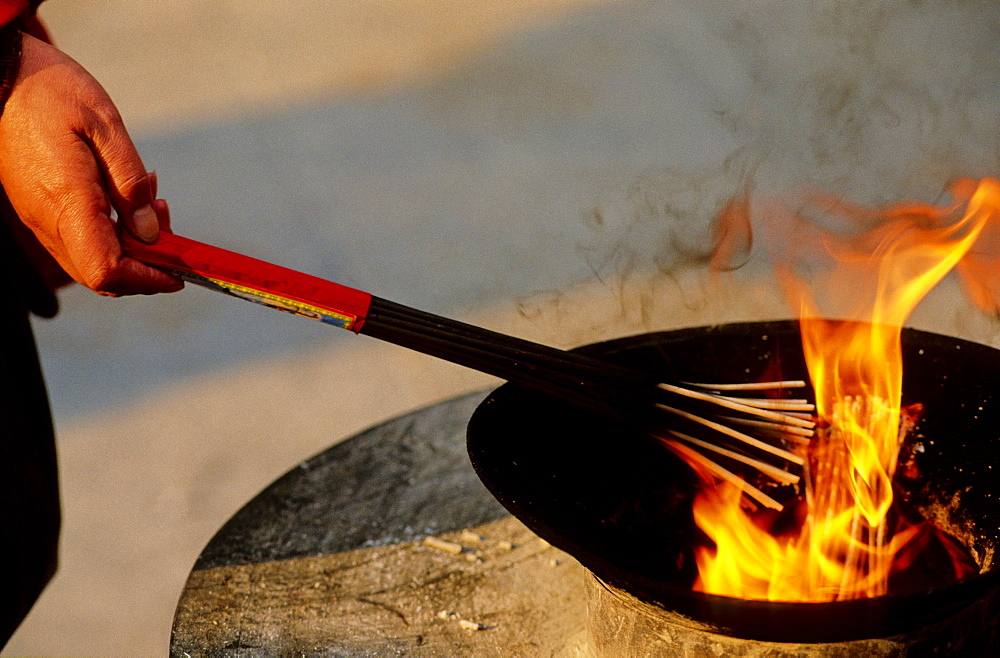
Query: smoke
column 876, row 101
column 871, row 102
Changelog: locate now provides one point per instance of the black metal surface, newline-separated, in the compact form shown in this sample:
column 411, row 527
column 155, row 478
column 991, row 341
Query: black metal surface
column 621, row 504
column 406, row 478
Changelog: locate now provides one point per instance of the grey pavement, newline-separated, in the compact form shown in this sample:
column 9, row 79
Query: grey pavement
column 547, row 169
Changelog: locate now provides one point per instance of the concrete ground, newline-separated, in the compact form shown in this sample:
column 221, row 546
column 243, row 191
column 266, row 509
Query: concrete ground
column 545, row 167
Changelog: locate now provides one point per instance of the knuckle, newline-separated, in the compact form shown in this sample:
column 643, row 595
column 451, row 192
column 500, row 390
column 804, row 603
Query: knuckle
column 102, row 273
column 101, row 278
column 134, row 186
column 103, row 111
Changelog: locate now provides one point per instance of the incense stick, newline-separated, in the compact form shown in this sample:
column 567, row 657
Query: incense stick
column 684, row 452
column 593, row 383
column 775, row 473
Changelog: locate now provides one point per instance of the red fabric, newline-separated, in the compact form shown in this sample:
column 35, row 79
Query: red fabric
column 25, row 9
column 11, row 9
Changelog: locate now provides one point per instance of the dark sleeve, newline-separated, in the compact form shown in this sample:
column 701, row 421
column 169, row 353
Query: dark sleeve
column 25, row 281
column 12, row 9
column 29, row 490
column 10, row 58
column 29, row 480
column 11, row 13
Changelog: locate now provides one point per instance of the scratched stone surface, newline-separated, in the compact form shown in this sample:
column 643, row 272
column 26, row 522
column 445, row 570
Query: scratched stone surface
column 331, row 560
column 506, row 593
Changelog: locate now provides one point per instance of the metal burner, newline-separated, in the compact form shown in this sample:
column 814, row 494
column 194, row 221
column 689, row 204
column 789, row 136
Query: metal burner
column 621, row 504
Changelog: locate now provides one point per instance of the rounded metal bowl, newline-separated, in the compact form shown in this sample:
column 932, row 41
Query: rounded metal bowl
column 621, row 504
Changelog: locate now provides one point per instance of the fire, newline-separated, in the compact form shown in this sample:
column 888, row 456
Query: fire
column 842, row 541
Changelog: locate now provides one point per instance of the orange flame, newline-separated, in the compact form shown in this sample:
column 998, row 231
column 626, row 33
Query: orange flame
column 840, row 545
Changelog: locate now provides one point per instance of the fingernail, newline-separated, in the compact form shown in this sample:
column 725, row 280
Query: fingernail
column 144, row 222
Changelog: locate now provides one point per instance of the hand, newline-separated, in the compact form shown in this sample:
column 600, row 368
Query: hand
column 66, row 161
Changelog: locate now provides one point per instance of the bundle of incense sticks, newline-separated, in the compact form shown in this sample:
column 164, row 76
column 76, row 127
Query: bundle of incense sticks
column 709, row 419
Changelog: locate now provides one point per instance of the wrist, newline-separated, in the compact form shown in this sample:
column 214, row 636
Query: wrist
column 10, row 59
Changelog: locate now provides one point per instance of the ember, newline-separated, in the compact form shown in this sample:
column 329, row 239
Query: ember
column 847, row 536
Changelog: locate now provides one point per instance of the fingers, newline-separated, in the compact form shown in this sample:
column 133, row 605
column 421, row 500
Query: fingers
column 89, row 237
column 89, row 247
column 129, row 186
